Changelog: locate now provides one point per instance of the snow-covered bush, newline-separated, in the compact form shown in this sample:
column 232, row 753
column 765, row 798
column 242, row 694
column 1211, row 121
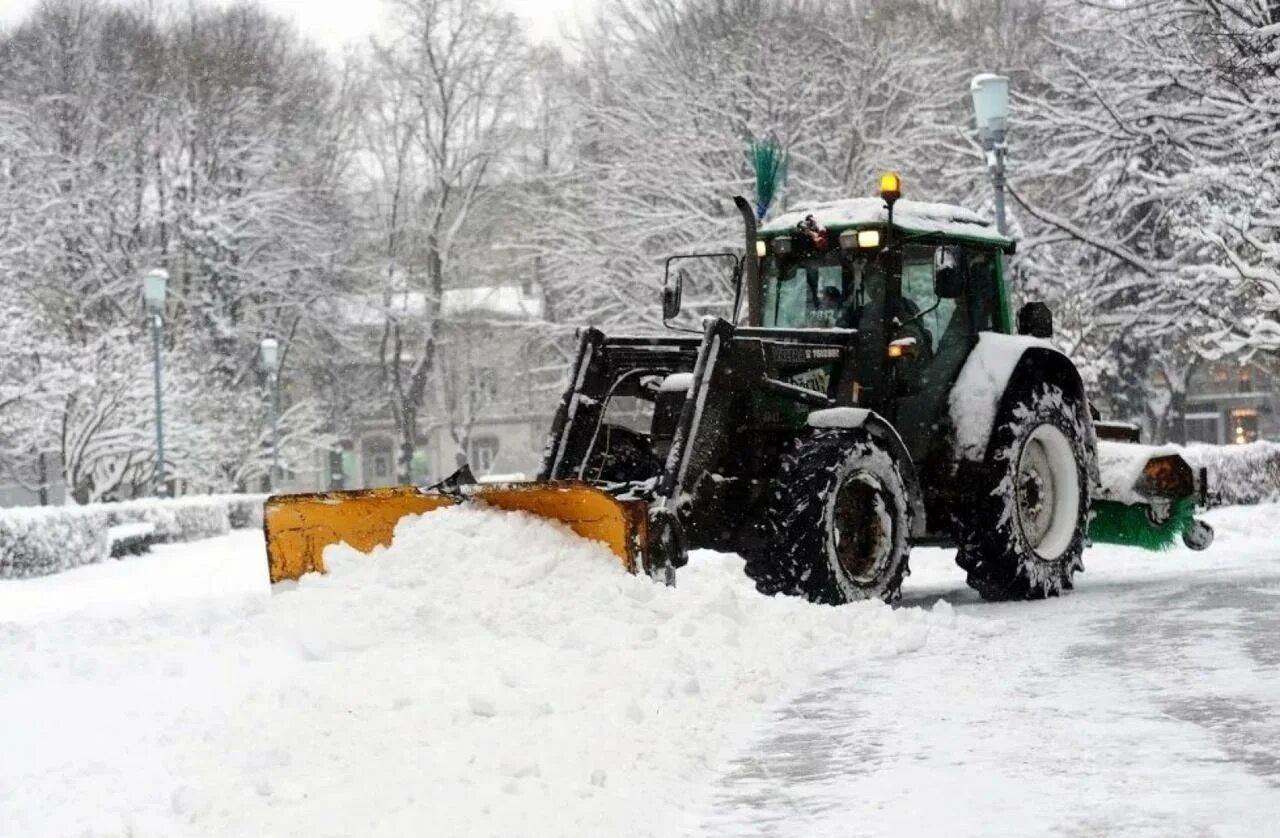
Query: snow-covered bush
column 177, row 519
column 1239, row 474
column 244, row 511
column 37, row 542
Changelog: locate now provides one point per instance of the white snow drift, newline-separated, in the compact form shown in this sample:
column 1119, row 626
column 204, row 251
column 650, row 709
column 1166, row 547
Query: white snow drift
column 488, row 674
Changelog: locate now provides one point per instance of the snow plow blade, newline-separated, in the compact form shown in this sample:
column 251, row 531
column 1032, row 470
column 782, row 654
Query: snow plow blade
column 299, row 527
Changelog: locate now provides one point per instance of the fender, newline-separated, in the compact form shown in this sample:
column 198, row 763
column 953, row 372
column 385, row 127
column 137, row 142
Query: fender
column 997, row 368
column 875, row 426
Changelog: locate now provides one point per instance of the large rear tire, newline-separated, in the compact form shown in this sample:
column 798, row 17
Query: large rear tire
column 1023, row 534
column 837, row 522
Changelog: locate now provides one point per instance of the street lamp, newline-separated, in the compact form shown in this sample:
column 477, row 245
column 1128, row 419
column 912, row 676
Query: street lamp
column 153, row 292
column 270, row 354
column 991, row 108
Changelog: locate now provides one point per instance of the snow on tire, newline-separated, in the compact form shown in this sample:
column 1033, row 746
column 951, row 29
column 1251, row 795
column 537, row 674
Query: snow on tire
column 1023, row 536
column 837, row 522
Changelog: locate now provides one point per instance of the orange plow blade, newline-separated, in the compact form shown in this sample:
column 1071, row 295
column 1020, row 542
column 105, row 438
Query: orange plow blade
column 299, row 527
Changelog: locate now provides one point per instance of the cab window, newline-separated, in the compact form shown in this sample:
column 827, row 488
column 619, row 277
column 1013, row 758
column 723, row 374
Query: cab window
column 972, row 312
column 932, row 314
column 817, row 291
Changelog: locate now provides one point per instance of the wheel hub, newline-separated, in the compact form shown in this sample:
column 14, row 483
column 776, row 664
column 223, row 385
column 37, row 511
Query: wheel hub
column 1046, row 492
column 1035, row 492
column 863, row 536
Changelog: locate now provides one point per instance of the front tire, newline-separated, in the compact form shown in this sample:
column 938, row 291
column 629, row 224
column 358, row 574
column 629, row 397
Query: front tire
column 1023, row 534
column 837, row 522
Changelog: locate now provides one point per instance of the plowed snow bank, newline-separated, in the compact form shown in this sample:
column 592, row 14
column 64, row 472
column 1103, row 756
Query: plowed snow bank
column 489, row 673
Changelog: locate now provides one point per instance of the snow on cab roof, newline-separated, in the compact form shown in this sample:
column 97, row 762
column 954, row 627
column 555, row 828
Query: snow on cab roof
column 917, row 216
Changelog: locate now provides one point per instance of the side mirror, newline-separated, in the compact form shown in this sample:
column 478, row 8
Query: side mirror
column 948, row 283
column 672, row 291
column 1036, row 320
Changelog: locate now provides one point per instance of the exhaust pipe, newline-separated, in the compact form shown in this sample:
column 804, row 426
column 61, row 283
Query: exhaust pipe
column 751, row 275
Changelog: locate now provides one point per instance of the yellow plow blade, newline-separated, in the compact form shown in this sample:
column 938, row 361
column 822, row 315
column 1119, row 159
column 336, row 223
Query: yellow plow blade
column 299, row 527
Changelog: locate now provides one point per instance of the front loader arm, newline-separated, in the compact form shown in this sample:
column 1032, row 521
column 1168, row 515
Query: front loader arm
column 579, row 412
column 605, row 368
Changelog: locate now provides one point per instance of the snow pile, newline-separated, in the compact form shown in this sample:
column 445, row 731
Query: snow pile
column 488, row 674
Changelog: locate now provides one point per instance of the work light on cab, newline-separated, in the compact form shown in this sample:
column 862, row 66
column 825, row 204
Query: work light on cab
column 860, row 239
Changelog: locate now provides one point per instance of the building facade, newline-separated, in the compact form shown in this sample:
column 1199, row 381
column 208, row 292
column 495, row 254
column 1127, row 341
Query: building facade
column 492, row 396
column 1233, row 403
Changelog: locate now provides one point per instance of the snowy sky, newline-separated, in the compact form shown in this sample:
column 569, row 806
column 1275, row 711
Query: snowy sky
column 335, row 22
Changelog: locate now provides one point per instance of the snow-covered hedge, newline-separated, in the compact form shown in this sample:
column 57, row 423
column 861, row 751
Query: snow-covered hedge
column 1239, row 474
column 177, row 519
column 244, row 511
column 36, row 541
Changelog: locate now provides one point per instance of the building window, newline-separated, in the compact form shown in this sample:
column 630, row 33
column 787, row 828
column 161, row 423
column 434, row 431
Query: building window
column 1244, row 425
column 484, row 383
column 484, row 453
column 1203, row 427
column 1246, row 380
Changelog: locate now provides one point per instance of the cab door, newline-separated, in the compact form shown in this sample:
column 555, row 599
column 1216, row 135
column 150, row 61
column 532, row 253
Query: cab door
column 945, row 328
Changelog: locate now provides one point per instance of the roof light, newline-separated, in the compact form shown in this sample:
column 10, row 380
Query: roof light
column 890, row 186
column 760, row 248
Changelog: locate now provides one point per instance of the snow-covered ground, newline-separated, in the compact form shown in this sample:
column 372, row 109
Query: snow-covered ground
column 491, row 675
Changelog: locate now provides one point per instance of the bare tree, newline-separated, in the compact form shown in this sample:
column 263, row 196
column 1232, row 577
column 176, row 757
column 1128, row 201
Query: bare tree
column 444, row 117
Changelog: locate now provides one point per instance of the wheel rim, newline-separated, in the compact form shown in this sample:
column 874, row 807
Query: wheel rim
column 862, row 532
column 1047, row 490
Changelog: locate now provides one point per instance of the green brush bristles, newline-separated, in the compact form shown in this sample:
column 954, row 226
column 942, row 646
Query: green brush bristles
column 1119, row 523
column 770, row 166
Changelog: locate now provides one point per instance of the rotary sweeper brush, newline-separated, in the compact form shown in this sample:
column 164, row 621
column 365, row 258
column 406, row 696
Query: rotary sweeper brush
column 862, row 389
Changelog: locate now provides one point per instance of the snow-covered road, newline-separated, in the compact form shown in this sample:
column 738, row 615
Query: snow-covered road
column 175, row 694
column 1145, row 703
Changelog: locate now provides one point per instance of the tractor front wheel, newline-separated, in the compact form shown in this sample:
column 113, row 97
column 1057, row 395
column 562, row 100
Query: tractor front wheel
column 837, row 522
column 1023, row 533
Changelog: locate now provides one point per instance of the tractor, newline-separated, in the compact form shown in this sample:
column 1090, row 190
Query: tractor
column 866, row 390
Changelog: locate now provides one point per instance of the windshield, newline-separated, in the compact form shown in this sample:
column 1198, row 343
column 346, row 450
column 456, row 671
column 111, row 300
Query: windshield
column 819, row 290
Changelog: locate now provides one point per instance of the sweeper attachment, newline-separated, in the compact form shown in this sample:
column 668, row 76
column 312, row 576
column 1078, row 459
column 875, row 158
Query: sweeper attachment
column 861, row 390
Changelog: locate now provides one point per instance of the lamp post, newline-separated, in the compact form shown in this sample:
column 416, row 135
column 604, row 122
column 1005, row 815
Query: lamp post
column 991, row 109
column 270, row 354
column 153, row 292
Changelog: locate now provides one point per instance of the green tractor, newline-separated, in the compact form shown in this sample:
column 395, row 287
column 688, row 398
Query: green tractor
column 868, row 391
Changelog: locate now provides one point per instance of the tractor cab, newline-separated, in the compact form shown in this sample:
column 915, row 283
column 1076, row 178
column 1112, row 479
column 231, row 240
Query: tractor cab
column 918, row 282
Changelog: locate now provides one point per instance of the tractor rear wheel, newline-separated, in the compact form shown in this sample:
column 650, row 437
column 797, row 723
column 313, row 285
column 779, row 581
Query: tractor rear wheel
column 837, row 522
column 1023, row 533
